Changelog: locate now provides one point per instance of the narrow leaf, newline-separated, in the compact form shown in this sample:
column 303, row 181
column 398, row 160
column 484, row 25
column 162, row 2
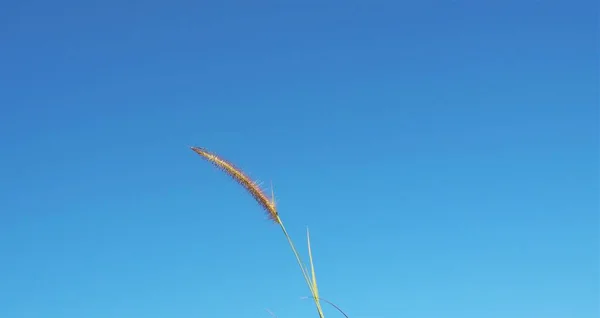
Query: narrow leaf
column 312, row 267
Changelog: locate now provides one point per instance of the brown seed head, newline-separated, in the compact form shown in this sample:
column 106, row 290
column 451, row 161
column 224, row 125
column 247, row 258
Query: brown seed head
column 241, row 178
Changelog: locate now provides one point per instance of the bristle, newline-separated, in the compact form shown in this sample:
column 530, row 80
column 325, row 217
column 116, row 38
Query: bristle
column 240, row 177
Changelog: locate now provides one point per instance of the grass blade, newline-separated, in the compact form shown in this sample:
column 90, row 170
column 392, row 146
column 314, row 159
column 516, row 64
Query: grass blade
column 312, row 268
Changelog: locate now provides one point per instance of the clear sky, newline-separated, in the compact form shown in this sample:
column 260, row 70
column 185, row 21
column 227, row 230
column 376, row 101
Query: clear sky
column 443, row 153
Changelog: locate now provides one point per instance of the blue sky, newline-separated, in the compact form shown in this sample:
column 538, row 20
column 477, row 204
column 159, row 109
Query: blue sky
column 443, row 153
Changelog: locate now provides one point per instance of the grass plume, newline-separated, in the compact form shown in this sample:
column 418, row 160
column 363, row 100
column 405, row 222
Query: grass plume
column 268, row 204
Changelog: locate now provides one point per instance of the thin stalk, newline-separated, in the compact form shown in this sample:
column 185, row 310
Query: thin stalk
column 304, row 273
column 332, row 304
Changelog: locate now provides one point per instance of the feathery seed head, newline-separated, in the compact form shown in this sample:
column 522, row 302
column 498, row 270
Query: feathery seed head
column 240, row 177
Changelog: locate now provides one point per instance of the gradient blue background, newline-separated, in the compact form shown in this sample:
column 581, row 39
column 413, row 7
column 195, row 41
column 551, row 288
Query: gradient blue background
column 444, row 155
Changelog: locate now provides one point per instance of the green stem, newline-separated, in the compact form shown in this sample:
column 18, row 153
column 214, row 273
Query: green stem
column 304, row 273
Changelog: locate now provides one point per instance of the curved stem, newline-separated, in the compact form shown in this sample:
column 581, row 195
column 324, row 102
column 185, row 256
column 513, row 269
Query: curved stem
column 332, row 304
column 302, row 267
